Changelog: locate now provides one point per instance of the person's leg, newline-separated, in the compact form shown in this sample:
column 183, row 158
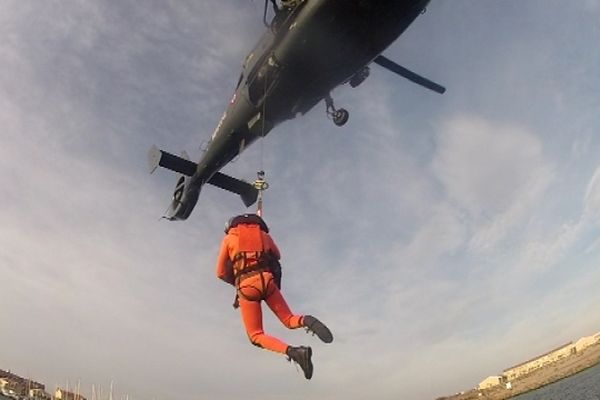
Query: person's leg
column 252, row 316
column 301, row 355
column 279, row 306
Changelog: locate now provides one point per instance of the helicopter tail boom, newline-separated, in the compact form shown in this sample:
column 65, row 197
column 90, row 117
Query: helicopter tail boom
column 159, row 158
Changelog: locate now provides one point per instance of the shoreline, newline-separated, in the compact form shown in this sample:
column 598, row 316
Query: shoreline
column 541, row 377
column 558, row 380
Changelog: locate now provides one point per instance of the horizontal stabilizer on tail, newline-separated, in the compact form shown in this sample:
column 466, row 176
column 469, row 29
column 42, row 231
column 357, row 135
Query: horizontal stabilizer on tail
column 247, row 191
column 157, row 157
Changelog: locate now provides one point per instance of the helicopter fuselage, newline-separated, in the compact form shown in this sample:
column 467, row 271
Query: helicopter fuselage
column 304, row 54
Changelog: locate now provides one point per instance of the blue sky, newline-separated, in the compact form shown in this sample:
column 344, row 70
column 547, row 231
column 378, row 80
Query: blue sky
column 442, row 238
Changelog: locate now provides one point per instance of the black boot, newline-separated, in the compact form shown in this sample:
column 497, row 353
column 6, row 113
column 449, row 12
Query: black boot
column 301, row 355
column 317, row 327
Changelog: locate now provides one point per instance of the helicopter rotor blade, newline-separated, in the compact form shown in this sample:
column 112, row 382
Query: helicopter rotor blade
column 408, row 74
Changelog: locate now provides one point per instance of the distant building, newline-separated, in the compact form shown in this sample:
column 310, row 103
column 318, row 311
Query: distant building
column 529, row 366
column 4, row 386
column 490, row 382
column 39, row 394
column 20, row 386
column 61, row 394
column 585, row 342
column 539, row 362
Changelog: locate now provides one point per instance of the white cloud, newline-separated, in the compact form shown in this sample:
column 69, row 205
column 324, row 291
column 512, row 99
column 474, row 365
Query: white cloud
column 439, row 236
column 592, row 197
column 496, row 174
column 548, row 248
column 544, row 252
column 592, row 5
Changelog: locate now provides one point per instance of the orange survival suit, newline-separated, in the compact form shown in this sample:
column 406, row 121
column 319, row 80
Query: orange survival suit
column 246, row 260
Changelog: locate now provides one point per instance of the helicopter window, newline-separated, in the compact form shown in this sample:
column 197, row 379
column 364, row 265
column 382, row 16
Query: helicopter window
column 262, row 82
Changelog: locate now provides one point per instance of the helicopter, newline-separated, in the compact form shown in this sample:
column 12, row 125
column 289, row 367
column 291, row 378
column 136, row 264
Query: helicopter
column 309, row 48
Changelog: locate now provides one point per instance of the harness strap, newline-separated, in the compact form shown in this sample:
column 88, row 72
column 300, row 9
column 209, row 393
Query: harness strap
column 250, row 271
column 251, row 249
column 263, row 292
column 251, row 259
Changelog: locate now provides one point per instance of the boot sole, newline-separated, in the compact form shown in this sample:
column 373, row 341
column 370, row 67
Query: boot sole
column 322, row 331
column 309, row 374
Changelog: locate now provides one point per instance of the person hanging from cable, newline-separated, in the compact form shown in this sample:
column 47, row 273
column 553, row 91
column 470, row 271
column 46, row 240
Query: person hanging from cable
column 249, row 260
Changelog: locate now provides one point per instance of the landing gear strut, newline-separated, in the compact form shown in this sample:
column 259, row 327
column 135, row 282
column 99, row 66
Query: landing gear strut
column 340, row 116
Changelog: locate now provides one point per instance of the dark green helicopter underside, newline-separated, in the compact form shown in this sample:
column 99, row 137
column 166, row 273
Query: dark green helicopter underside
column 305, row 53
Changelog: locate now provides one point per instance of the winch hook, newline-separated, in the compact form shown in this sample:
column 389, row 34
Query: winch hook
column 261, row 185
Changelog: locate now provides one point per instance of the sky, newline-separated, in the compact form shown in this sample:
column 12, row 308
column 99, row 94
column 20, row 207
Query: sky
column 441, row 238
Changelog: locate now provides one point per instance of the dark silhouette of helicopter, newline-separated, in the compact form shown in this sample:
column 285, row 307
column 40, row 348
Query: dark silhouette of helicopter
column 309, row 48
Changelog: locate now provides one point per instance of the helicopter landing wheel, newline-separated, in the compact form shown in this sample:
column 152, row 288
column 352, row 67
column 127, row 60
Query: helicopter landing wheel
column 340, row 117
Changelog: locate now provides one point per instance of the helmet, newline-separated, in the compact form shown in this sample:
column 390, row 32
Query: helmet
column 246, row 219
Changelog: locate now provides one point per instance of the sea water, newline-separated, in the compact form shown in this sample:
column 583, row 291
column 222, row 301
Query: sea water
column 583, row 386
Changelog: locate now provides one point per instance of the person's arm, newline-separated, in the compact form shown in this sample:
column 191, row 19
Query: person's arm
column 224, row 265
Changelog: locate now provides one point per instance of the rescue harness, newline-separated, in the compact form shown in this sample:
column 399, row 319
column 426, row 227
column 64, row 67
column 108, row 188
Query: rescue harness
column 251, row 254
column 251, row 258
